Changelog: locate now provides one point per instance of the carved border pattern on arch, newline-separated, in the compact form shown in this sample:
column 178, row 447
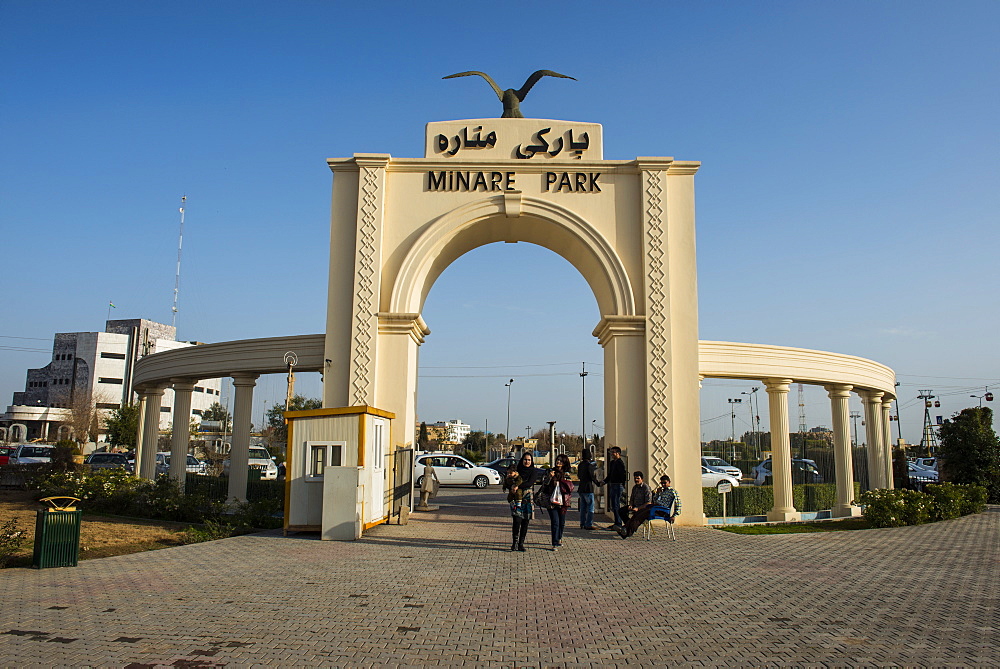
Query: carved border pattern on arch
column 365, row 293
column 658, row 343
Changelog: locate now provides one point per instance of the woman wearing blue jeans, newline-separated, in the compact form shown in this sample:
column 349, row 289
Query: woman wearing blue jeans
column 558, row 480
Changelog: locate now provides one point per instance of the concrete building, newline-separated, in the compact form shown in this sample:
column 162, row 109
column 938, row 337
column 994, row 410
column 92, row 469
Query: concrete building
column 93, row 369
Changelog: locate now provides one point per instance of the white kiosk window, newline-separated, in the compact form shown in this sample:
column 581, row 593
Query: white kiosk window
column 378, row 443
column 321, row 454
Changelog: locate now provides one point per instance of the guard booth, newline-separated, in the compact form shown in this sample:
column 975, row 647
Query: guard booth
column 337, row 471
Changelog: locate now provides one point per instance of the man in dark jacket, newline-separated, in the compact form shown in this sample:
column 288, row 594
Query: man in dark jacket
column 616, row 480
column 587, row 473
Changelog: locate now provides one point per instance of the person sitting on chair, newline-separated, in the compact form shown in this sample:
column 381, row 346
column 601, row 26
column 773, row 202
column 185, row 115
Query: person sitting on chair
column 639, row 501
column 665, row 500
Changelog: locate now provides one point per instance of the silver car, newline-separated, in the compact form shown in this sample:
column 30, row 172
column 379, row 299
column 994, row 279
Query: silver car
column 711, row 478
column 27, row 454
column 718, row 464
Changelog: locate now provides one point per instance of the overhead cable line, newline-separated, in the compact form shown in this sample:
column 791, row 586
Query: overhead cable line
column 547, row 364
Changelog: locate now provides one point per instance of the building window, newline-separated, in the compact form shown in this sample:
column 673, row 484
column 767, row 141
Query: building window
column 322, row 454
column 108, row 405
column 196, row 412
column 113, row 356
column 199, row 389
column 106, row 379
column 164, row 409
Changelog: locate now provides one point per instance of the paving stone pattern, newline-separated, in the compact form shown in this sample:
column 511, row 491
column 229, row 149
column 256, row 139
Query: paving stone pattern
column 446, row 590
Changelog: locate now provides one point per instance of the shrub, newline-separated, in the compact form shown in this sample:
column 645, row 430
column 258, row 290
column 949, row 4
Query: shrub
column 11, row 540
column 895, row 508
column 210, row 531
column 974, row 500
column 254, row 515
column 946, row 500
column 62, row 456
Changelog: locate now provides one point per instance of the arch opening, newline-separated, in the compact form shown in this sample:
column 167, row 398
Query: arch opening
column 537, row 222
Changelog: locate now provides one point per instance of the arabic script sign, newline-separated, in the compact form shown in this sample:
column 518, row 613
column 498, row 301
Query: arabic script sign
column 514, row 138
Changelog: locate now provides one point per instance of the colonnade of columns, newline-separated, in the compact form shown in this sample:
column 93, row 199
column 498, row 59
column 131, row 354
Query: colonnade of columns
column 877, row 405
column 150, row 398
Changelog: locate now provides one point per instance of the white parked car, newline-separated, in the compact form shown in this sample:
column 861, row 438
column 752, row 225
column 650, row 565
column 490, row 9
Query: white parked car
column 27, row 454
column 259, row 459
column 711, row 478
column 721, row 465
column 455, row 470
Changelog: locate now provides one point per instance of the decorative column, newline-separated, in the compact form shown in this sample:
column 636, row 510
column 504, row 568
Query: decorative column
column 395, row 386
column 839, row 396
column 141, row 403
column 669, row 304
column 239, row 453
column 781, row 451
column 145, row 457
column 888, row 450
column 872, row 402
column 181, row 430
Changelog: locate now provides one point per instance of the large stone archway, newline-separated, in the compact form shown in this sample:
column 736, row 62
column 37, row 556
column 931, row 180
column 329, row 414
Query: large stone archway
column 627, row 227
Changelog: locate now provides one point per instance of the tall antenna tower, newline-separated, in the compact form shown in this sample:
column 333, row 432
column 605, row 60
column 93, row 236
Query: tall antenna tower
column 177, row 277
column 802, row 410
column 928, row 440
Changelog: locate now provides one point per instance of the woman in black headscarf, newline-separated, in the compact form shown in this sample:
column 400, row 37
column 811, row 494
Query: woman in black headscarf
column 518, row 483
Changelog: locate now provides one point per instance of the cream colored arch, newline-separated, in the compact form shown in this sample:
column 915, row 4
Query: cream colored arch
column 512, row 217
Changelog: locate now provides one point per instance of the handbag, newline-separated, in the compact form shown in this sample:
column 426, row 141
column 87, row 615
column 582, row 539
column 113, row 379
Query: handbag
column 557, row 498
column 541, row 499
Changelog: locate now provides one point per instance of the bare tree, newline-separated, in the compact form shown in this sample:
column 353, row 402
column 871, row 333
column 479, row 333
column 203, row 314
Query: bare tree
column 85, row 418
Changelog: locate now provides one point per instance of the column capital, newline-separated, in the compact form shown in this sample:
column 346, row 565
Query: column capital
column 377, row 160
column 183, row 385
column 886, row 402
column 840, row 390
column 619, row 326
column 244, row 379
column 411, row 325
column 871, row 396
column 777, row 385
column 151, row 390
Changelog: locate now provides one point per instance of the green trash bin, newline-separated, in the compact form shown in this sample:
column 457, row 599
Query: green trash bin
column 57, row 535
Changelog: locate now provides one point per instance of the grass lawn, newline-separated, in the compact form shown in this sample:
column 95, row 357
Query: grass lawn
column 799, row 528
column 100, row 536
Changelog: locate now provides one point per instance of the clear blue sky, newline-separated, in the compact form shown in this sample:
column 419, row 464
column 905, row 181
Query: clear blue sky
column 848, row 198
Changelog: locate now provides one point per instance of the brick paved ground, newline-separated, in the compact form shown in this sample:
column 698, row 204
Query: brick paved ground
column 444, row 590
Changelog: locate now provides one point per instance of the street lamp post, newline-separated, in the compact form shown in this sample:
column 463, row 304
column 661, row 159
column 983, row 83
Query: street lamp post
column 755, row 433
column 506, row 434
column 732, row 422
column 552, row 442
column 583, row 411
column 855, row 415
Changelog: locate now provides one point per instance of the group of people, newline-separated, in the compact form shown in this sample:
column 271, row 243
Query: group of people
column 556, row 496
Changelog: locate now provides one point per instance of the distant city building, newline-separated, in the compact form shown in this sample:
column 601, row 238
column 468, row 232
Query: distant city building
column 446, row 433
column 455, row 430
column 94, row 368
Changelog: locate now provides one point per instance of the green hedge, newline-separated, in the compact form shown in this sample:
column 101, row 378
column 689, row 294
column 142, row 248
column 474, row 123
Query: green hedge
column 751, row 500
column 899, row 507
column 117, row 492
column 217, row 488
